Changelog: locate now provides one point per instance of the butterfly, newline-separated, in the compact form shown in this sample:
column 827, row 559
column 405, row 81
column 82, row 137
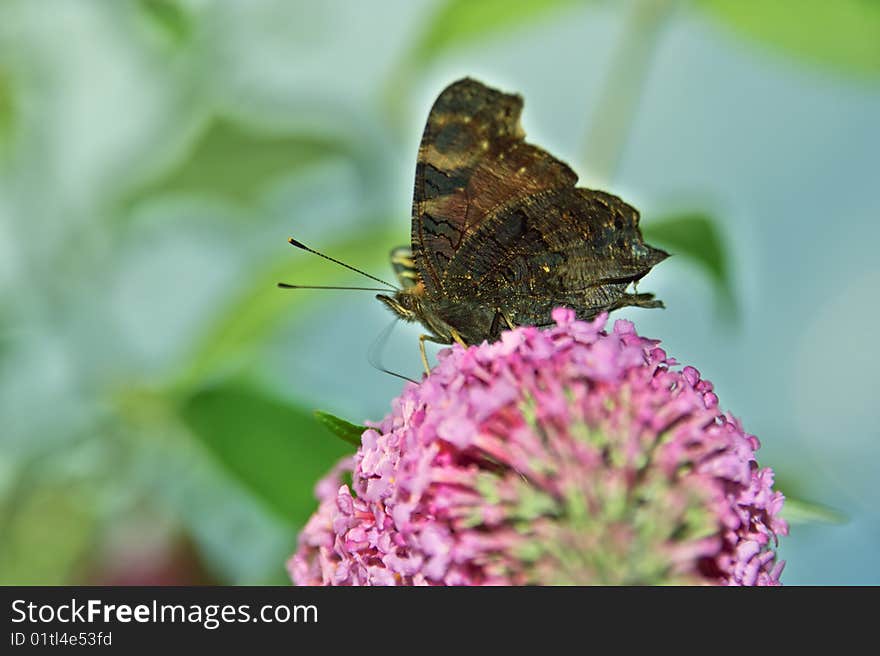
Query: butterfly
column 500, row 233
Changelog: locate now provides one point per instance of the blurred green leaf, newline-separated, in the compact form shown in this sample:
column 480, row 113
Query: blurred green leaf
column 236, row 162
column 259, row 308
column 241, row 538
column 696, row 237
column 341, row 428
column 275, row 448
column 168, row 16
column 842, row 33
column 799, row 511
column 458, row 22
column 46, row 533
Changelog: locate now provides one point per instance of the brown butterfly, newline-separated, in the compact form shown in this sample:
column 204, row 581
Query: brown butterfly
column 500, row 233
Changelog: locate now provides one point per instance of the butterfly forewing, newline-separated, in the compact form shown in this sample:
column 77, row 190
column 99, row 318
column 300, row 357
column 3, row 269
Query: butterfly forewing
column 472, row 162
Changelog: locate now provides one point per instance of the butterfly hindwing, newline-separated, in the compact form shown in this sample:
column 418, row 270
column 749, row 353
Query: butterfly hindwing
column 574, row 247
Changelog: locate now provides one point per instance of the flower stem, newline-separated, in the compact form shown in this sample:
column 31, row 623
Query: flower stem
column 623, row 86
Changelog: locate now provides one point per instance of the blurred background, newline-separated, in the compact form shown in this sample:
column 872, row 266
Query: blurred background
column 156, row 389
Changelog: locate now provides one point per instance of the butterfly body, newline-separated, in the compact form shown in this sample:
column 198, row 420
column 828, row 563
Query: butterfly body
column 500, row 233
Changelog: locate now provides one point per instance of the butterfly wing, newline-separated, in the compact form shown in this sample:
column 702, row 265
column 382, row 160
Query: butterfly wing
column 572, row 246
column 501, row 232
column 473, row 162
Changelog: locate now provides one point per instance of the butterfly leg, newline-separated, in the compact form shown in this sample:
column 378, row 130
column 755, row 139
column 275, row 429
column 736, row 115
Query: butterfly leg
column 495, row 328
column 422, row 340
column 457, row 337
column 636, row 300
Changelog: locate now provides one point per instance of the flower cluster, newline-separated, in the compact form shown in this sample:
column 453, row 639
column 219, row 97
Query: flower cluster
column 568, row 455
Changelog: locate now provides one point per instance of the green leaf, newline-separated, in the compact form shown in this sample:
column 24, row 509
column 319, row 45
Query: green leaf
column 342, row 429
column 236, row 162
column 260, row 307
column 696, row 237
column 799, row 511
column 169, row 17
column 843, row 34
column 275, row 448
column 46, row 533
column 460, row 22
column 240, row 537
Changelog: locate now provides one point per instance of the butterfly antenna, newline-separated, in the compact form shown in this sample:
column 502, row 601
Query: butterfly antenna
column 284, row 285
column 299, row 244
column 374, row 355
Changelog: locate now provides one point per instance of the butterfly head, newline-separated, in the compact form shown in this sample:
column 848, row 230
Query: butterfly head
column 404, row 303
column 407, row 302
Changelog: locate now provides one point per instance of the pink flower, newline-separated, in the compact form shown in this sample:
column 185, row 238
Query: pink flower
column 559, row 456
